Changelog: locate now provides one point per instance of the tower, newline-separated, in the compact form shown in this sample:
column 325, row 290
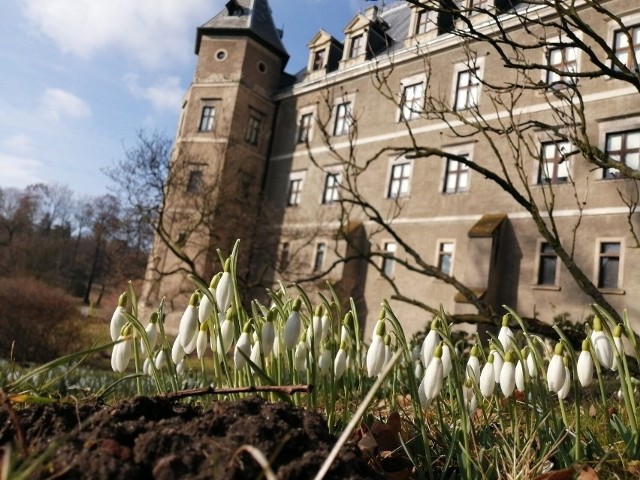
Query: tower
column 220, row 150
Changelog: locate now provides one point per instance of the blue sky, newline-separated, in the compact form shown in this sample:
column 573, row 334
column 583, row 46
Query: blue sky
column 78, row 78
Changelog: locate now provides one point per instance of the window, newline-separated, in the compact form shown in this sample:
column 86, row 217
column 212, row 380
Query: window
column 421, row 21
column 304, row 127
column 411, row 102
column 206, row 119
column 318, row 60
column 331, row 192
column 318, row 261
column 467, row 89
column 476, row 5
column 608, row 264
column 561, row 60
column 445, row 257
column 295, row 191
column 554, row 165
column 623, row 147
column 456, row 176
column 400, row 180
column 253, row 130
column 194, row 182
column 547, row 265
column 626, row 53
column 343, row 119
column 357, row 46
column 283, row 261
column 388, row 258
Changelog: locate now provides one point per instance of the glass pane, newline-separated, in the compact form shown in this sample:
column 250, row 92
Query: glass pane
column 445, row 264
column 610, row 247
column 614, row 142
column 608, row 272
column 633, row 140
column 547, row 273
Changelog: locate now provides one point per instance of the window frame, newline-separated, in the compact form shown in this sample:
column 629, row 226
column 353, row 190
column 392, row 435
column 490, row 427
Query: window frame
column 556, row 80
column 629, row 49
column 608, row 173
column 195, row 181
column 343, row 115
column 356, row 45
column 305, row 123
column 466, row 170
column 387, row 265
column 470, row 89
column 254, row 126
column 319, row 256
column 441, row 253
column 598, row 266
column 318, row 60
column 295, row 178
column 541, row 255
column 405, row 167
column 559, row 162
column 421, row 24
column 331, row 188
column 411, row 108
column 207, row 118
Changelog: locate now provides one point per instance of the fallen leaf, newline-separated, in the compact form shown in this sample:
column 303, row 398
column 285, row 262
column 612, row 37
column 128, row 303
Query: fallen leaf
column 592, row 411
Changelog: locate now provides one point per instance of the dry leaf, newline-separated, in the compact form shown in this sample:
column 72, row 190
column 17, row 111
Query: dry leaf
column 592, row 411
column 564, row 474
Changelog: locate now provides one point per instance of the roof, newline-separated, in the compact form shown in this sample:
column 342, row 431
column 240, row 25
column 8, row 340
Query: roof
column 249, row 18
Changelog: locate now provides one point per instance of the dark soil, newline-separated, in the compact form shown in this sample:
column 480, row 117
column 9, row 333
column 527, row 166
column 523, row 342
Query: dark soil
column 152, row 438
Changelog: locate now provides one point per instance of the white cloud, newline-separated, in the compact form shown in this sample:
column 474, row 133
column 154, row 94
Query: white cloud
column 18, row 171
column 57, row 103
column 151, row 31
column 164, row 95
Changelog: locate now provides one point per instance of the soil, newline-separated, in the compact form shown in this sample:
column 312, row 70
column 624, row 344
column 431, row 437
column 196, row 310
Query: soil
column 153, row 438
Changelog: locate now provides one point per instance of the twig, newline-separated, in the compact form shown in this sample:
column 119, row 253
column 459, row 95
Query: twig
column 211, row 390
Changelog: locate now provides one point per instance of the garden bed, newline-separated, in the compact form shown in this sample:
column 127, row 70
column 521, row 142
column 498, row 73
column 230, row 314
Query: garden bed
column 152, row 438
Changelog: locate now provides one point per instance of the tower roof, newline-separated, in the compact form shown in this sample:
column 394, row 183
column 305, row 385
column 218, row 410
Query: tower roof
column 245, row 18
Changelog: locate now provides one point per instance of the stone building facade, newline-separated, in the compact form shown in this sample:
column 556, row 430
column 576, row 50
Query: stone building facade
column 297, row 155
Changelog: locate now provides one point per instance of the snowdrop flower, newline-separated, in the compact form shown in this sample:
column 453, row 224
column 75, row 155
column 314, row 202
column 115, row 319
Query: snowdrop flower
column 519, row 374
column 121, row 354
column 446, row 360
column 388, row 351
column 617, row 347
column 147, row 369
column 314, row 330
column 422, row 397
column 202, row 340
column 300, row 355
column 292, row 326
column 276, row 346
column 566, row 385
column 532, row 367
column 488, row 377
column 243, row 345
column 118, row 319
column 324, row 362
column 177, row 352
column 160, row 360
column 340, row 364
column 188, row 328
column 255, row 354
column 418, row 370
column 206, row 306
column 469, row 396
column 268, row 334
column 152, row 335
column 345, row 335
column 226, row 334
column 505, row 336
column 508, row 375
column 430, row 342
column 497, row 363
column 326, row 325
column 223, row 290
column 473, row 364
column 434, row 376
column 601, row 344
column 181, row 368
column 375, row 354
column 556, row 374
column 585, row 364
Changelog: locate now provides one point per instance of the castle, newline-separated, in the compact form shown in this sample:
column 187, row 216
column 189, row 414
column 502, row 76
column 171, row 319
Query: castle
column 407, row 162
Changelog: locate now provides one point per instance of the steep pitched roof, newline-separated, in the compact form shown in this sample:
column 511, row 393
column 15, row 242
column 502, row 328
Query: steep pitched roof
column 248, row 18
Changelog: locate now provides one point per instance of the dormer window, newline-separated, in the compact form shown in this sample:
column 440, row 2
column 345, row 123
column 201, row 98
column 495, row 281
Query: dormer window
column 318, row 60
column 357, row 46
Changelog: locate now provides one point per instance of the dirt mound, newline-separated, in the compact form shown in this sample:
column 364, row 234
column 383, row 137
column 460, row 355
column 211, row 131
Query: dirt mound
column 152, row 438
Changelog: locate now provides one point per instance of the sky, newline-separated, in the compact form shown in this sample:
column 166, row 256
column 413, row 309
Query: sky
column 79, row 78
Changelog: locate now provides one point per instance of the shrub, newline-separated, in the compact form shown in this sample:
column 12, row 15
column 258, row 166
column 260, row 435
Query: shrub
column 36, row 320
